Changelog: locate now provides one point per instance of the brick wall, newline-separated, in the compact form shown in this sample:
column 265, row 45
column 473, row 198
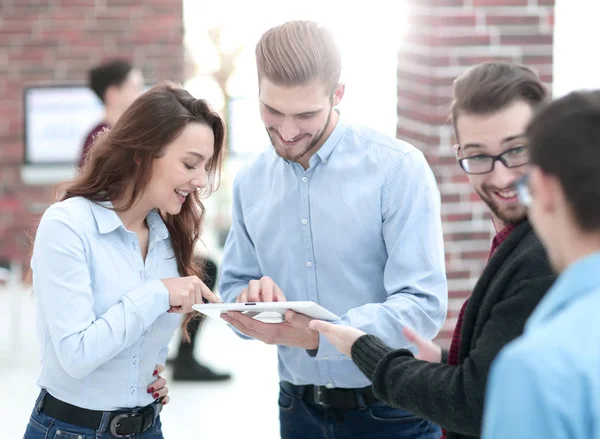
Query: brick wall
column 443, row 39
column 57, row 41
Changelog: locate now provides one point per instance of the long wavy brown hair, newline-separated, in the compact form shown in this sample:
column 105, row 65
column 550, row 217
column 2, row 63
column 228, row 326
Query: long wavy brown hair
column 119, row 165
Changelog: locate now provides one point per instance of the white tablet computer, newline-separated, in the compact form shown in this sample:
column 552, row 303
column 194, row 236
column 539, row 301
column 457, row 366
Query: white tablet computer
column 268, row 312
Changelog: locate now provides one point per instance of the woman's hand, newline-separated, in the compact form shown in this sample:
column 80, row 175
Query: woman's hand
column 158, row 388
column 187, row 291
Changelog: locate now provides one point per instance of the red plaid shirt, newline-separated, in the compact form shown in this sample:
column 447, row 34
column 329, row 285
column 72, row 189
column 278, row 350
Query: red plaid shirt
column 454, row 346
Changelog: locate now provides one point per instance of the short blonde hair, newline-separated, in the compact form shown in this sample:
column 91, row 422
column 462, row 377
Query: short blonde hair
column 298, row 52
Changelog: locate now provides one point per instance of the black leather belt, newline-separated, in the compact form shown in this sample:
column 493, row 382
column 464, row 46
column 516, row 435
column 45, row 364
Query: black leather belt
column 337, row 398
column 121, row 424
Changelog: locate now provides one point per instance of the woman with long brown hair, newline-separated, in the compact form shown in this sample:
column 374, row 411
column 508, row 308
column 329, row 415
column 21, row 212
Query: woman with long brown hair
column 113, row 267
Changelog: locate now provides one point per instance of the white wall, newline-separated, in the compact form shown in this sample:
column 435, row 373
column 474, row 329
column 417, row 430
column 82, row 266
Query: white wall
column 576, row 44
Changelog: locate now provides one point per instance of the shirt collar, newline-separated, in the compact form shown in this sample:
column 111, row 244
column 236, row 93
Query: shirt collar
column 106, row 218
column 576, row 281
column 108, row 221
column 325, row 151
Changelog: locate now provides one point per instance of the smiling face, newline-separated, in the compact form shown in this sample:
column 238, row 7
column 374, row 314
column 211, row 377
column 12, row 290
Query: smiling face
column 298, row 119
column 181, row 169
column 494, row 134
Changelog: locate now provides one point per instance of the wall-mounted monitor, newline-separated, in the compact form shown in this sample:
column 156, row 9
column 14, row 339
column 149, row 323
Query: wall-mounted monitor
column 57, row 119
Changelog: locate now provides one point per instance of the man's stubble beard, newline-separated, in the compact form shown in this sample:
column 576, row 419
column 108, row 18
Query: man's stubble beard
column 315, row 141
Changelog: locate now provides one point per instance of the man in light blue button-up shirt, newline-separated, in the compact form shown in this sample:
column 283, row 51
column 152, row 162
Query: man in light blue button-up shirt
column 546, row 383
column 334, row 213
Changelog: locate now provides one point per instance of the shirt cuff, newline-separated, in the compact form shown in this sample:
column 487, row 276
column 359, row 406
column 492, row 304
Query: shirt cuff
column 151, row 300
column 367, row 352
column 326, row 351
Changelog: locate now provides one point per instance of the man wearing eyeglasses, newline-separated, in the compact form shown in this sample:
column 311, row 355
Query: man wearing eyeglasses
column 552, row 372
column 493, row 103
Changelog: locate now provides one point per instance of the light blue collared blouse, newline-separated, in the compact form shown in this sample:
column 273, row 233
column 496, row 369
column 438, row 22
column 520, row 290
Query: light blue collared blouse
column 101, row 309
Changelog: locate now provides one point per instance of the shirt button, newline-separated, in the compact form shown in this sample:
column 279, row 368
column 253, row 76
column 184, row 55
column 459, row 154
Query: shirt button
column 304, row 221
column 329, row 385
column 145, row 332
column 132, row 390
column 135, row 360
column 304, row 179
column 326, row 357
column 309, row 264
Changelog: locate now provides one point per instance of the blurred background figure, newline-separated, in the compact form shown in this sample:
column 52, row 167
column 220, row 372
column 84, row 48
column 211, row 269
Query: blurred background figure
column 117, row 84
column 185, row 366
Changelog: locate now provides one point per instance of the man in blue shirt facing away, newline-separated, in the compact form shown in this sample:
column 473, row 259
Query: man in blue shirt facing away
column 545, row 384
column 337, row 214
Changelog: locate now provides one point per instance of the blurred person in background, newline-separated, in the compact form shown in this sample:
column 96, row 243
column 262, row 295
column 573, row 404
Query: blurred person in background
column 493, row 103
column 117, row 84
column 113, row 268
column 545, row 384
column 342, row 215
column 185, row 365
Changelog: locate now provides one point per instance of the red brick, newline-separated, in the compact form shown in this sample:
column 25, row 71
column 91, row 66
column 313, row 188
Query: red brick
column 449, row 40
column 477, row 59
column 475, row 255
column 25, row 54
column 537, row 60
column 459, row 294
column 477, row 3
column 450, row 198
column 470, row 236
column 512, row 20
column 460, row 176
column 468, row 19
column 409, row 134
column 453, row 217
column 523, row 40
column 456, row 3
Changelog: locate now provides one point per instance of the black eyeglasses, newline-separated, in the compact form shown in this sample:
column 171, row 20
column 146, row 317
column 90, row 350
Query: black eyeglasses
column 483, row 163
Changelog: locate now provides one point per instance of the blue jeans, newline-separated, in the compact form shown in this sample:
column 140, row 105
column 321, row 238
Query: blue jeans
column 300, row 419
column 42, row 426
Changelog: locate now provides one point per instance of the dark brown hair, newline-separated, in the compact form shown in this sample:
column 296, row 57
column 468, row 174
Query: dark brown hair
column 119, row 165
column 490, row 86
column 564, row 139
column 110, row 73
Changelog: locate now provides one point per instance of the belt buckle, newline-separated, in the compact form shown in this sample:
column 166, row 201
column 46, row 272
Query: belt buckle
column 319, row 396
column 114, row 424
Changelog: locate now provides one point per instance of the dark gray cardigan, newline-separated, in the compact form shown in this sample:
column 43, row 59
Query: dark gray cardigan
column 513, row 282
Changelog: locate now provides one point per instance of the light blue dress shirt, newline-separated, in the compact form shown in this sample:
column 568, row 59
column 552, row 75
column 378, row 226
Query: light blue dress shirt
column 546, row 384
column 358, row 232
column 101, row 309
